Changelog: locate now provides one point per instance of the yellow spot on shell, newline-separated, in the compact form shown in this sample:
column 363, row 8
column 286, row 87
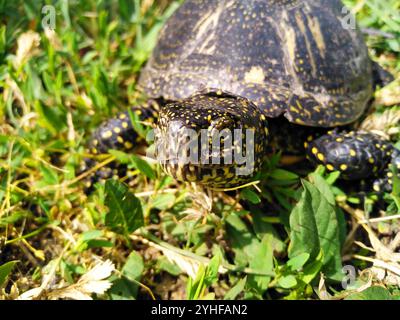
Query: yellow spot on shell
column 314, row 150
column 124, row 125
column 128, row 145
column 353, row 153
column 255, row 75
column 107, row 134
column 343, row 167
column 321, row 157
column 330, row 167
column 376, row 188
column 117, row 130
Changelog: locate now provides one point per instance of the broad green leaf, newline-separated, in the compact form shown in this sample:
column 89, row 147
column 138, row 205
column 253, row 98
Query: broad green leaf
column 163, row 201
column 244, row 243
column 287, row 282
column 236, row 289
column 212, row 270
column 262, row 262
column 312, row 269
column 371, row 293
column 127, row 286
column 5, row 270
column 281, row 174
column 314, row 226
column 296, row 263
column 164, row 264
column 261, row 228
column 250, row 195
column 323, row 187
column 133, row 267
column 125, row 210
column 49, row 174
column 303, row 228
column 143, row 166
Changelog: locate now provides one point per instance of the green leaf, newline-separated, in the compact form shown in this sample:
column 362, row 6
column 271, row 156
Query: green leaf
column 236, row 290
column 262, row 262
column 164, row 264
column 133, row 267
column 312, row 269
column 5, row 270
column 280, row 174
column 49, row 174
column 287, row 282
column 371, row 293
column 212, row 270
column 314, row 226
column 323, row 187
column 303, row 228
column 163, row 201
column 250, row 195
column 261, row 228
column 296, row 263
column 127, row 286
column 244, row 243
column 125, row 214
column 143, row 166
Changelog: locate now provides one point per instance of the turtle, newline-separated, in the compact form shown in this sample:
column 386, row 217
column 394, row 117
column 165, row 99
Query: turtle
column 287, row 75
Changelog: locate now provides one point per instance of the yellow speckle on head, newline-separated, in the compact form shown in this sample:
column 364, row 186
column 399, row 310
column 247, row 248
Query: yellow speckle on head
column 321, row 157
column 120, row 139
column 353, row 153
column 339, row 140
column 305, row 144
column 330, row 167
column 95, row 142
column 343, row 167
column 94, row 150
column 107, row 134
column 376, row 188
column 390, row 174
column 124, row 125
column 117, row 130
column 310, row 138
column 122, row 116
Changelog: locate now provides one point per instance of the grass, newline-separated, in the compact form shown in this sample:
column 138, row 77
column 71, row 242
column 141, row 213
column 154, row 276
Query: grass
column 286, row 238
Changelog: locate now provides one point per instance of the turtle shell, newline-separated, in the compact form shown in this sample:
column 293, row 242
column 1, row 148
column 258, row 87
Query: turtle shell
column 299, row 58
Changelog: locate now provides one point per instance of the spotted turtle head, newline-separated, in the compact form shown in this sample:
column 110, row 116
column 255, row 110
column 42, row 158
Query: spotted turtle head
column 217, row 140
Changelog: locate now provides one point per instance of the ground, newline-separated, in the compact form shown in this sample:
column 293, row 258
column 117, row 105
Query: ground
column 297, row 235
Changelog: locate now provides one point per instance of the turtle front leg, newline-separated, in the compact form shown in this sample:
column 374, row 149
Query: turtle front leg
column 357, row 155
column 117, row 133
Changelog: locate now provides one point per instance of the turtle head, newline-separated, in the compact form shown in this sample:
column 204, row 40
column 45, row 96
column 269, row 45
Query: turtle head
column 211, row 139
